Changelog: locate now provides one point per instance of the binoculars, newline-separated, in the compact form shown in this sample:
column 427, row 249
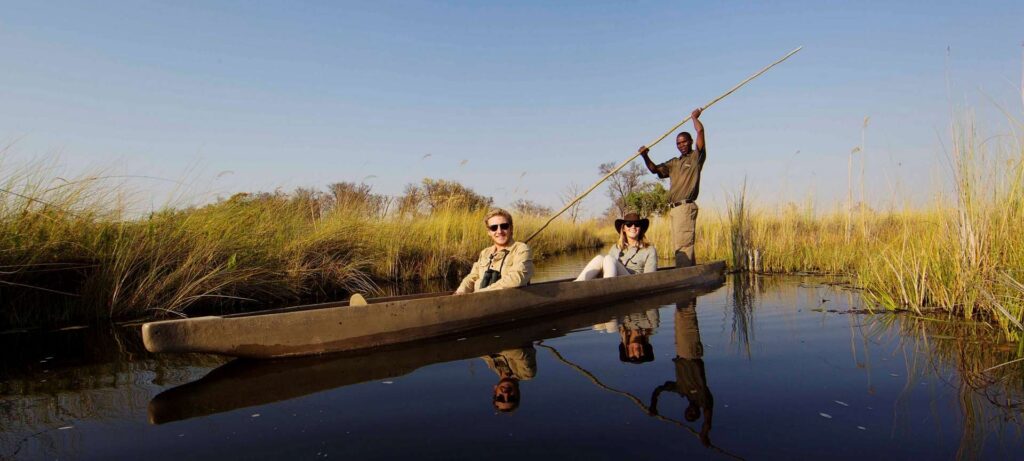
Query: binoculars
column 490, row 276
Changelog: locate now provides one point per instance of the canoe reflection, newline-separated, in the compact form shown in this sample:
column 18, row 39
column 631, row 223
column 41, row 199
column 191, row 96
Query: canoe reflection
column 244, row 383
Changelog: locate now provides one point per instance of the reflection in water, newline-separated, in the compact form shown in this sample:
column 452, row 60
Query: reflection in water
column 745, row 289
column 511, row 366
column 989, row 378
column 691, row 381
column 635, row 330
column 246, row 383
column 899, row 386
column 48, row 381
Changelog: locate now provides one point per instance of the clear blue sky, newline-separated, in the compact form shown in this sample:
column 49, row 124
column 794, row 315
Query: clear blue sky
column 245, row 96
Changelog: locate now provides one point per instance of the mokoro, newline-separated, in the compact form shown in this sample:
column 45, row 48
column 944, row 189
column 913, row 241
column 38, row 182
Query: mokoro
column 245, row 383
column 336, row 327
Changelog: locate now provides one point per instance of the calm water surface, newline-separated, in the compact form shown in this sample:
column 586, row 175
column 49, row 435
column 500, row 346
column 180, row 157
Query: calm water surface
column 756, row 369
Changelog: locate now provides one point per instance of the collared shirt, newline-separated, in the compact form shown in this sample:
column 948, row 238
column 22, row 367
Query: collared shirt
column 684, row 175
column 647, row 320
column 514, row 262
column 637, row 260
column 520, row 364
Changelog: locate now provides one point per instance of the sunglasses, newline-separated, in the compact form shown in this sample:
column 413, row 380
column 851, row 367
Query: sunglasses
column 514, row 398
column 631, row 224
column 502, row 226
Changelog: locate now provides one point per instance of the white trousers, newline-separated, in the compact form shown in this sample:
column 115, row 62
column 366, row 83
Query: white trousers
column 606, row 266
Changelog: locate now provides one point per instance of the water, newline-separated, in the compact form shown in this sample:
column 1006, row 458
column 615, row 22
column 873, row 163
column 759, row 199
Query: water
column 760, row 365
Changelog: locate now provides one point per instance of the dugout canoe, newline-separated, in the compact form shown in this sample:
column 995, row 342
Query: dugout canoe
column 339, row 327
column 243, row 383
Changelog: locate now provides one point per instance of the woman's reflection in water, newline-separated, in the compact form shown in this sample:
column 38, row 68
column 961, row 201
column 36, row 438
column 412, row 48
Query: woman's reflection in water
column 635, row 336
column 691, row 381
column 511, row 366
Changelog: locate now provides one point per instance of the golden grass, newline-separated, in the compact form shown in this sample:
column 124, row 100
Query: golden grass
column 71, row 241
column 963, row 253
column 68, row 252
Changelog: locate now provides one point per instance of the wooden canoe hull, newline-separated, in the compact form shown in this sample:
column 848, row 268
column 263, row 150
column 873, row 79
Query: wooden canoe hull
column 310, row 330
column 245, row 383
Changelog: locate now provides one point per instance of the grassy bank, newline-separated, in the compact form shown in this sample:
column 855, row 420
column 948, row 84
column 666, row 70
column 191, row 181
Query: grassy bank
column 69, row 252
column 962, row 253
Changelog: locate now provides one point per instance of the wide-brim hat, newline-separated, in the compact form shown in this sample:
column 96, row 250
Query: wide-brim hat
column 644, row 223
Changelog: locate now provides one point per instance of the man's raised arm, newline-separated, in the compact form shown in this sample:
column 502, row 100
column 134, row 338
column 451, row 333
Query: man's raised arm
column 699, row 128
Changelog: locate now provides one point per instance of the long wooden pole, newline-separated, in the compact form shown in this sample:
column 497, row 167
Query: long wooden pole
column 656, row 141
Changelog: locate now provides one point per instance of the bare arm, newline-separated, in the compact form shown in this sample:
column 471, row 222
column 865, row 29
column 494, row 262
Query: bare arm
column 653, row 409
column 651, row 166
column 699, row 128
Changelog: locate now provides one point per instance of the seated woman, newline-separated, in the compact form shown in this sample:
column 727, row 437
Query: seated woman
column 630, row 255
column 505, row 264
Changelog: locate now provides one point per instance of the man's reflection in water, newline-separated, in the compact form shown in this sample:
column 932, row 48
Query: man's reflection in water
column 690, row 382
column 512, row 366
column 635, row 336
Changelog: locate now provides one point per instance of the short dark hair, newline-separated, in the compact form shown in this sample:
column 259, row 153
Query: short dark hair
column 692, row 412
column 685, row 133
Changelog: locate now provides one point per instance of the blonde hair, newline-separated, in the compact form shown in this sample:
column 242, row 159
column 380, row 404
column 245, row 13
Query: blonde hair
column 499, row 212
column 641, row 239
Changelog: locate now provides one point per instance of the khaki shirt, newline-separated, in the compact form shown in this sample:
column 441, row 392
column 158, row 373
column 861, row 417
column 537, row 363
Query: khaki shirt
column 520, row 364
column 647, row 320
column 684, row 175
column 636, row 260
column 515, row 264
column 688, row 344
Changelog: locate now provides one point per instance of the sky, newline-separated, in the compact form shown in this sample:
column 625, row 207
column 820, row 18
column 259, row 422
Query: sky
column 513, row 99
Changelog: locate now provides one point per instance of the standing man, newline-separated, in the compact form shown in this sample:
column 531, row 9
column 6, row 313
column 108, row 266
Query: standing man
column 684, row 178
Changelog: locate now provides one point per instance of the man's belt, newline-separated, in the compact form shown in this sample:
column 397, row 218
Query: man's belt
column 675, row 204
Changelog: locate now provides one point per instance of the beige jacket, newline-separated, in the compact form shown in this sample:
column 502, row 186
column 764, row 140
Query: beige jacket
column 515, row 272
column 520, row 364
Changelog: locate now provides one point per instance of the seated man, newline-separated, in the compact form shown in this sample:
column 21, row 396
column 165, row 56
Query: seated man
column 506, row 264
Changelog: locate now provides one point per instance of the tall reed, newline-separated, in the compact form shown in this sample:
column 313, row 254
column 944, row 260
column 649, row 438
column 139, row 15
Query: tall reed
column 70, row 252
column 962, row 254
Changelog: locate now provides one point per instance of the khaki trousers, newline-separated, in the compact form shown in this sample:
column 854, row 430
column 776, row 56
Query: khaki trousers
column 684, row 227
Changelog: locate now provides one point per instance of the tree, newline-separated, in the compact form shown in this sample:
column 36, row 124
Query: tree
column 622, row 183
column 358, row 197
column 531, row 208
column 433, row 195
column 576, row 210
column 651, row 199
